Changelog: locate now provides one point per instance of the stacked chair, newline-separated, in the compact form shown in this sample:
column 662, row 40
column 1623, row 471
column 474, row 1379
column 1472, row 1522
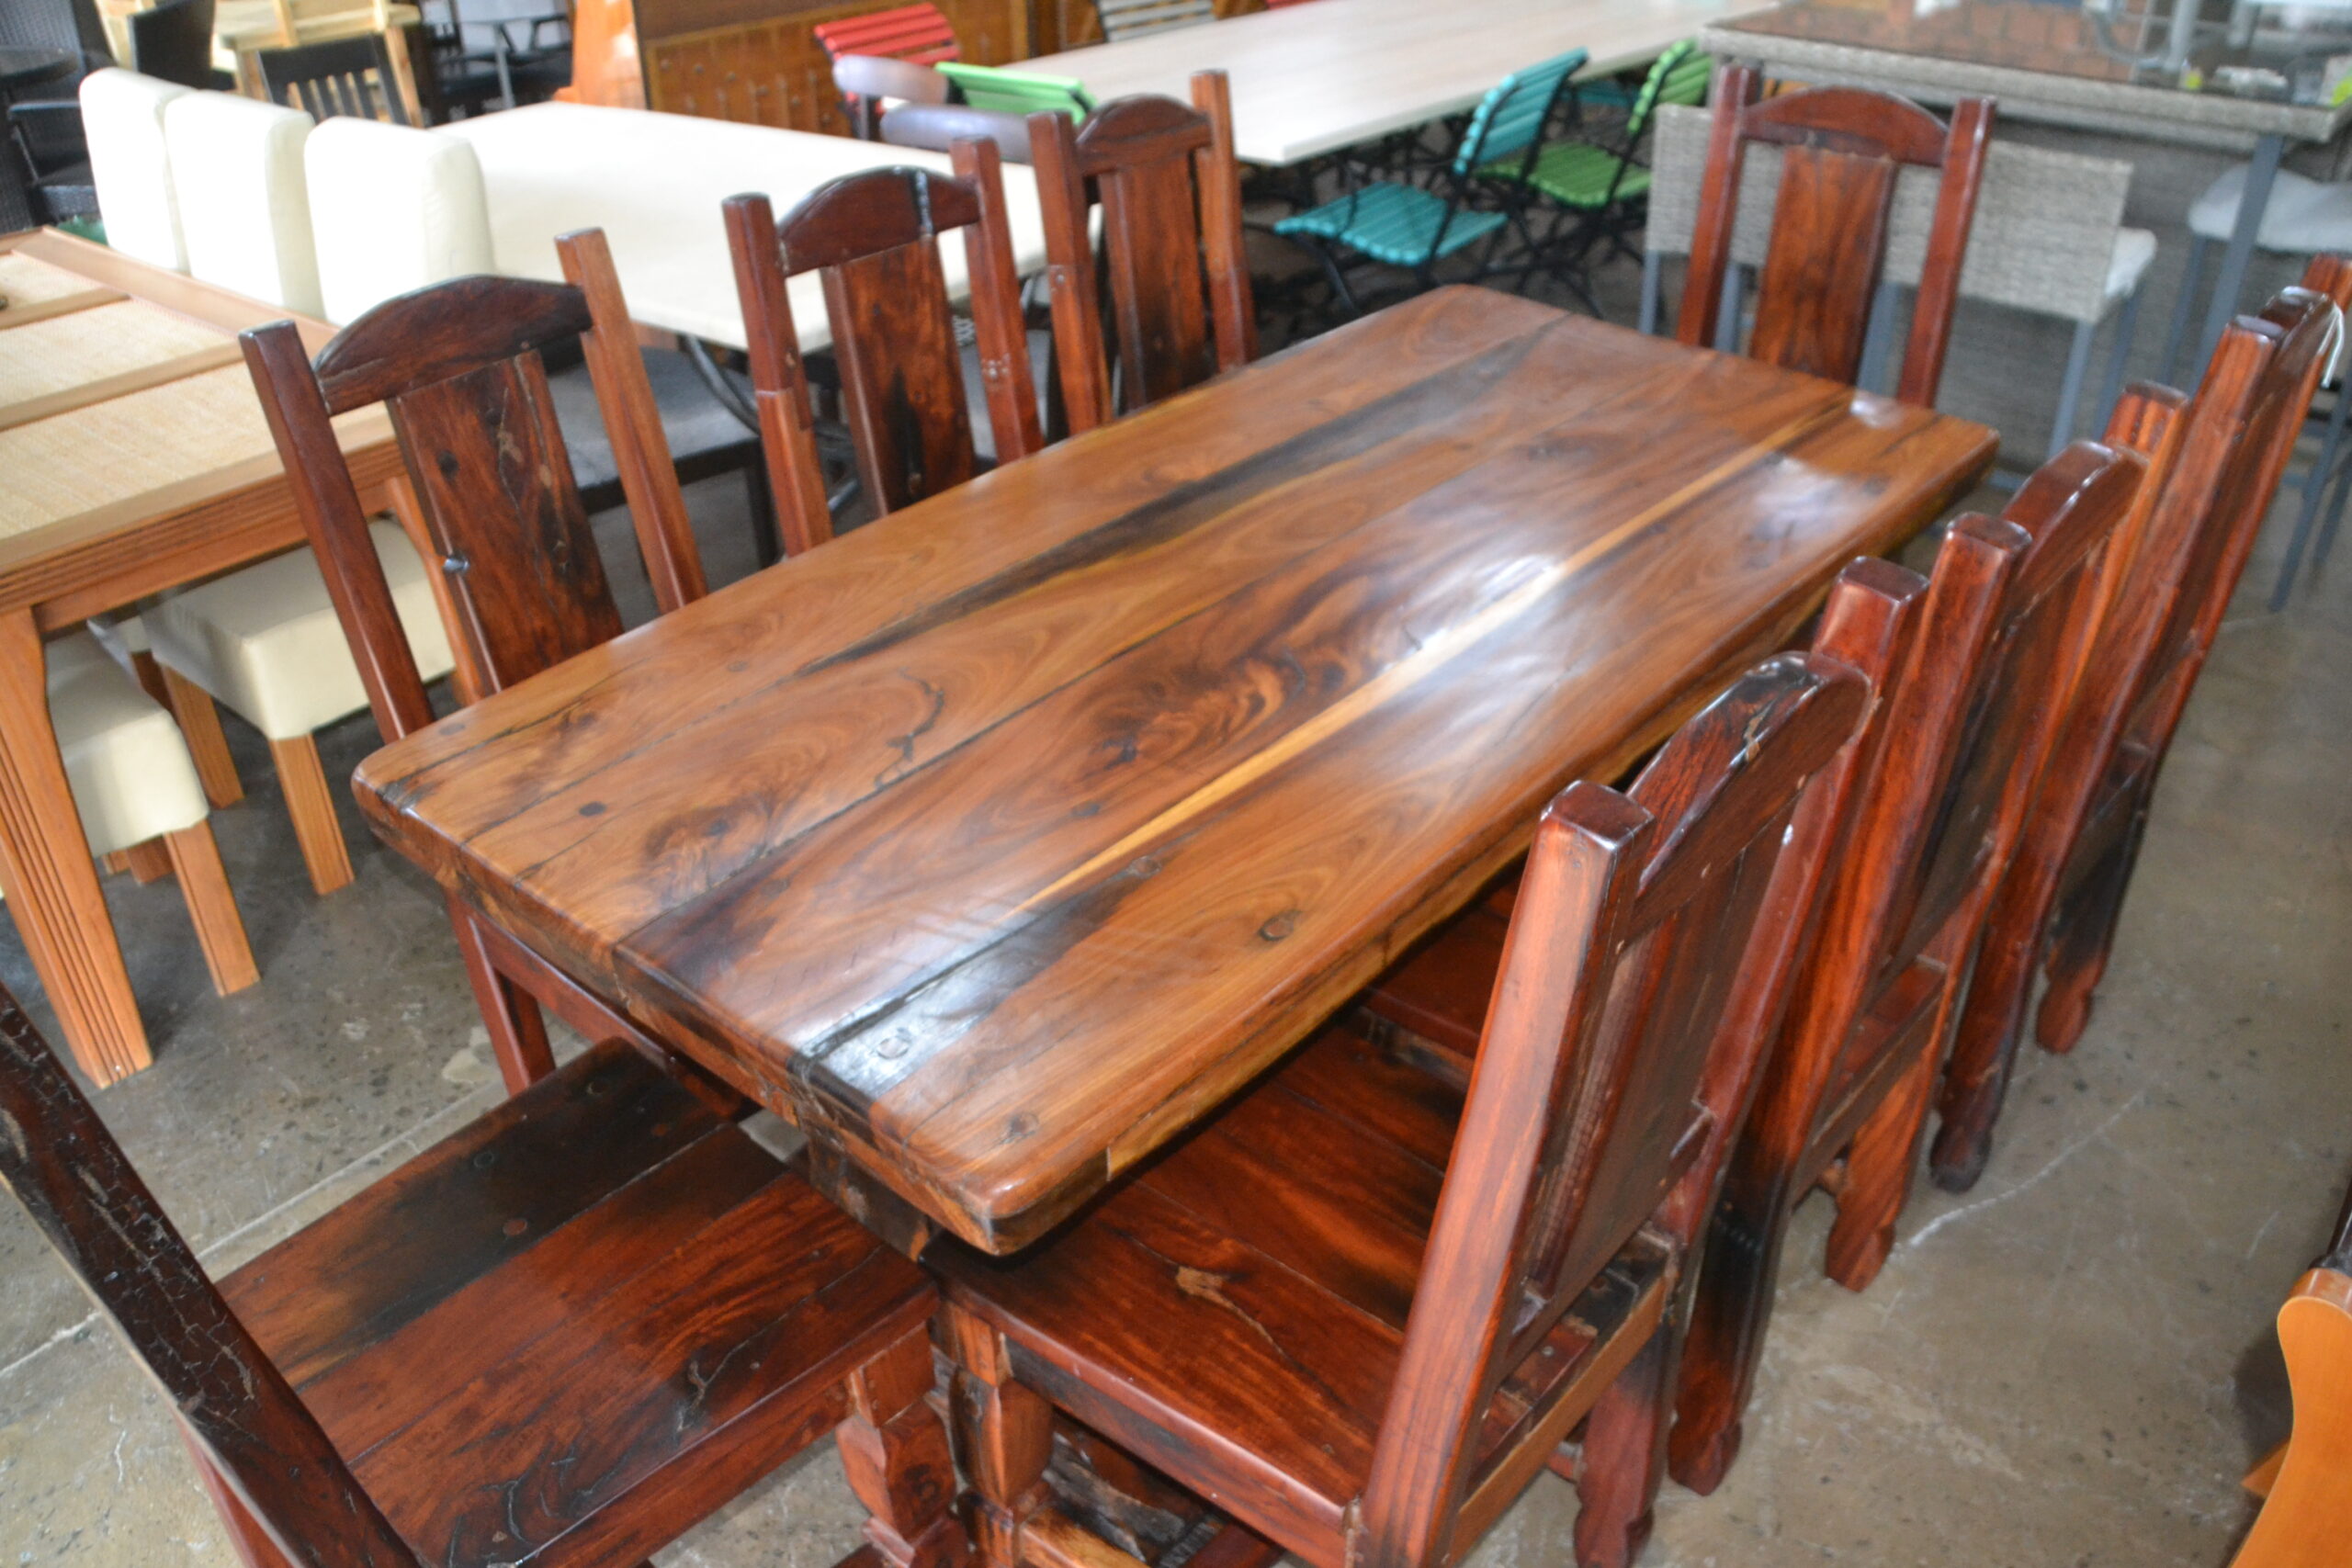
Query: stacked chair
column 892, row 50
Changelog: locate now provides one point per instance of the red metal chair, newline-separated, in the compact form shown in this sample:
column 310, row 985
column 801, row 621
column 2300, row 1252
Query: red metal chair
column 920, row 35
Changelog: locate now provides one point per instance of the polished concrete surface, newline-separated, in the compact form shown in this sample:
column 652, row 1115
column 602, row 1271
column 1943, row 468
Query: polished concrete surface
column 2070, row 1365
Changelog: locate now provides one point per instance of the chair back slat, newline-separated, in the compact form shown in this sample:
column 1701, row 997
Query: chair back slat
column 873, row 238
column 1651, row 942
column 350, row 76
column 1511, row 120
column 1842, row 147
column 60, row 1161
column 491, row 503
column 1180, row 291
column 1018, row 92
column 1131, row 19
column 920, row 33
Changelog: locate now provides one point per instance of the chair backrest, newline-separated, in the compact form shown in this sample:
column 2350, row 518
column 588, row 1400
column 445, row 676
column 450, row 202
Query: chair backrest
column 244, row 204
column 1840, row 149
column 1649, row 948
column 1018, row 92
column 1171, row 229
column 350, row 76
column 920, row 33
column 1510, row 121
column 173, row 41
column 519, row 582
column 873, row 237
column 1132, row 19
column 938, row 127
column 391, row 209
column 90, row 1204
column 866, row 80
column 1679, row 76
column 1957, row 751
column 122, row 120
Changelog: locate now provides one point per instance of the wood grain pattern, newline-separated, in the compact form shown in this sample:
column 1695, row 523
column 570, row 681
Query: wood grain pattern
column 896, row 831
column 2301, row 1523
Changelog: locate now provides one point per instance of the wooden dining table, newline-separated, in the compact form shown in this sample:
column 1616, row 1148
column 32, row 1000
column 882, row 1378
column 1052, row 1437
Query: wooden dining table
column 133, row 458
column 997, row 841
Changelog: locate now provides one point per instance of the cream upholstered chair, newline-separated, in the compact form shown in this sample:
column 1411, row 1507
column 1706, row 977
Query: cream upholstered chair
column 122, row 119
column 245, row 207
column 264, row 642
column 392, row 208
column 2048, row 239
column 134, row 782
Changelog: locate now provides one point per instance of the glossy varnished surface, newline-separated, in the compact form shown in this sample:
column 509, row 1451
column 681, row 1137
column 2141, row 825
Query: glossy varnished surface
column 1002, row 838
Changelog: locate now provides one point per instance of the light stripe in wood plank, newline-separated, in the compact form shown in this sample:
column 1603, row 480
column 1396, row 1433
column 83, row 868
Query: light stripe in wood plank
column 17, row 315
column 28, row 280
column 137, row 379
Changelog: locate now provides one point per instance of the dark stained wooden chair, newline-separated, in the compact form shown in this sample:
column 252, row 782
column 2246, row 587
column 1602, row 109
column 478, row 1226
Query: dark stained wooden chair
column 873, row 239
column 1841, row 149
column 519, row 582
column 348, row 76
column 2057, row 908
column 1171, row 231
column 559, row 1338
column 1359, row 1312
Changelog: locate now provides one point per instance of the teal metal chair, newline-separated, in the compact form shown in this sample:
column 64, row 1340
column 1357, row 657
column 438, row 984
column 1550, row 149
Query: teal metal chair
column 1020, row 93
column 1412, row 228
column 1599, row 189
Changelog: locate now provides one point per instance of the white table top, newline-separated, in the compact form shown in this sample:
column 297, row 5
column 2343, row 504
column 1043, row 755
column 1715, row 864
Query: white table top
column 1311, row 79
column 654, row 182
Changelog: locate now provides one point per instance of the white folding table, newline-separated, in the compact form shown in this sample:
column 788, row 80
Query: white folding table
column 654, row 182
column 1312, row 79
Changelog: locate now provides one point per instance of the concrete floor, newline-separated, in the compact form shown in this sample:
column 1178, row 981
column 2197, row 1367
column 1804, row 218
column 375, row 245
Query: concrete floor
column 2070, row 1365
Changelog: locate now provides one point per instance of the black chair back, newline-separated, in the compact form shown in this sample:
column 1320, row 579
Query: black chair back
column 173, row 42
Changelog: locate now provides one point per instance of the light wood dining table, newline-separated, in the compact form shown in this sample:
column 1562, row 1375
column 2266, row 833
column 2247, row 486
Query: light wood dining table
column 133, row 458
column 1312, row 79
column 997, row 841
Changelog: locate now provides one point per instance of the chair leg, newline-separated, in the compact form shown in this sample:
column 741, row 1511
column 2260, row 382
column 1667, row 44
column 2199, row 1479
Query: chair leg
column 311, row 803
column 2327, row 540
column 2127, row 328
column 148, row 861
column 1732, row 309
column 2185, row 312
column 2314, row 488
column 2070, row 388
column 1739, row 1273
column 200, row 723
column 767, row 540
column 894, row 1449
column 1878, row 339
column 220, row 930
column 1624, row 1457
column 1651, row 266
column 518, row 1031
column 1991, row 1018
column 1878, row 1173
column 1004, row 1436
column 246, row 1537
column 2081, row 941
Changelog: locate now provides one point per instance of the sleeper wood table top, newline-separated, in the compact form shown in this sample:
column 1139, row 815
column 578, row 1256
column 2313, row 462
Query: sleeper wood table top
column 997, row 841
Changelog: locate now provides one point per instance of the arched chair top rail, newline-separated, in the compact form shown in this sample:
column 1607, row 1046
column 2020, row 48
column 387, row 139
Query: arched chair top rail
column 408, row 341
column 873, row 210
column 1854, row 120
column 1140, row 129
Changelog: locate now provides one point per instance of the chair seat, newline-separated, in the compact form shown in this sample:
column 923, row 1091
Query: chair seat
column 1438, row 994
column 701, row 430
column 131, row 774
column 1576, row 174
column 596, row 1298
column 264, row 640
column 1402, row 225
column 1255, row 1283
column 2304, row 216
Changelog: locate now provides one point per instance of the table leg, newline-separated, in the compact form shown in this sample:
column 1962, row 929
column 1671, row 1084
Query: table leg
column 52, row 883
column 2259, row 174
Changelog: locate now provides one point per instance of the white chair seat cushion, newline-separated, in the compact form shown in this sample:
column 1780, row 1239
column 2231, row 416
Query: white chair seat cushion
column 2136, row 252
column 132, row 777
column 2304, row 216
column 265, row 640
column 122, row 120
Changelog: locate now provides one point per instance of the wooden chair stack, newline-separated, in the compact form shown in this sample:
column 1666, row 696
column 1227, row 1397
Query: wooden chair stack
column 873, row 239
column 1841, row 149
column 1171, row 226
column 559, row 1338
column 493, row 507
column 1361, row 1311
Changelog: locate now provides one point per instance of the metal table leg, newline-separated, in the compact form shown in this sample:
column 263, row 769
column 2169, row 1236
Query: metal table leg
column 2259, row 174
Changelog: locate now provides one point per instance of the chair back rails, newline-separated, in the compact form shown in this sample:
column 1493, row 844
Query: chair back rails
column 492, row 504
column 350, row 76
column 1842, row 149
column 873, row 239
column 2062, row 898
column 251, row 1428
column 1950, row 767
column 1647, row 955
column 1171, row 228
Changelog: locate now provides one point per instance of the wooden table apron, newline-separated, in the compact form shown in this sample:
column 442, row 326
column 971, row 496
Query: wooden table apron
column 58, row 573
column 997, row 841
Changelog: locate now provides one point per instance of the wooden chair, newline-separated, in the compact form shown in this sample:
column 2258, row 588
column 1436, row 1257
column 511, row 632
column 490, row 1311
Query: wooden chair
column 2306, row 1485
column 2057, row 912
column 1171, row 225
column 873, row 237
column 560, row 1337
column 350, row 76
column 866, row 82
column 1124, row 19
column 493, row 506
column 1842, row 148
column 1360, row 1313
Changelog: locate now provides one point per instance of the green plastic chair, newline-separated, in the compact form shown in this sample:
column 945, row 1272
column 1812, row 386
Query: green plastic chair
column 1604, row 190
column 1017, row 91
column 1414, row 229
